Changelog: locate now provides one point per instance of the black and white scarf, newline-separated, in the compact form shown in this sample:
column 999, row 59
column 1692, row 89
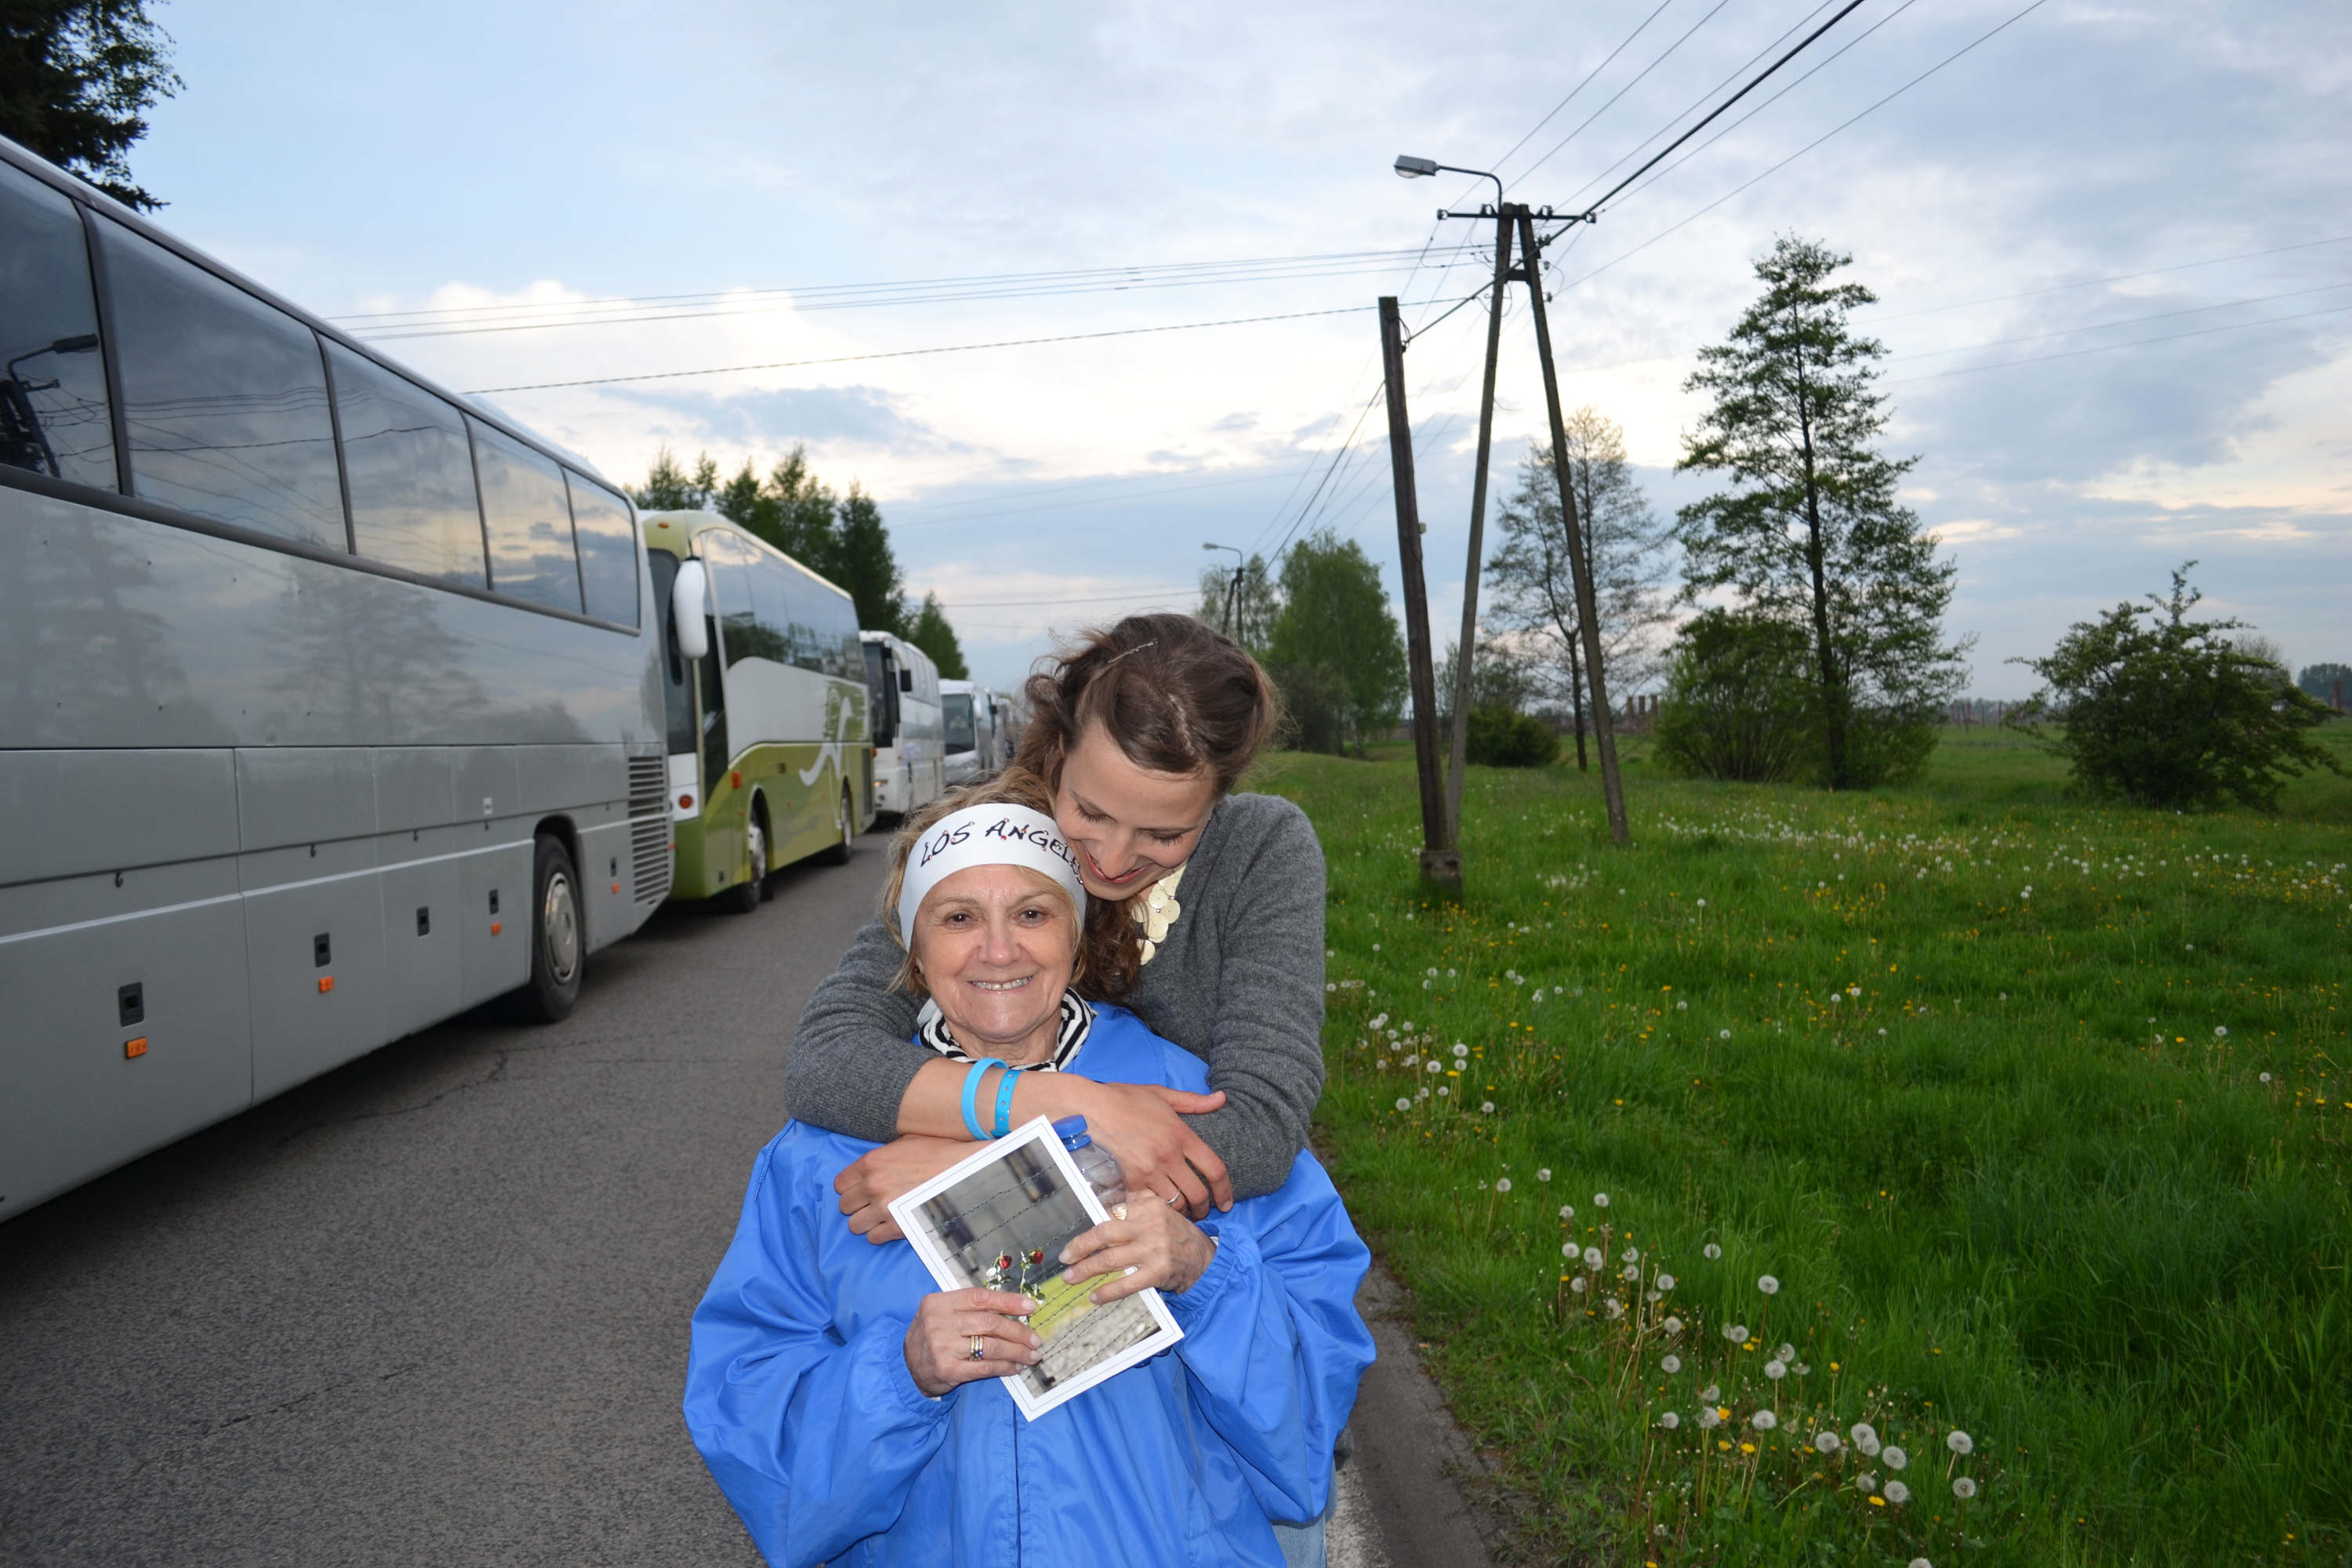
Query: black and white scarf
column 1078, row 1022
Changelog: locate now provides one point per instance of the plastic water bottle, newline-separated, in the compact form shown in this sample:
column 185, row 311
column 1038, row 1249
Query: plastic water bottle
column 1096, row 1163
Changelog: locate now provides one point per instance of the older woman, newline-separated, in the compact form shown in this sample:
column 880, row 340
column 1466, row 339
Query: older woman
column 849, row 1409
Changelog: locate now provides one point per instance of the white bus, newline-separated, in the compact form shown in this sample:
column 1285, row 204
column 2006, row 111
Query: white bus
column 909, row 737
column 330, row 703
column 770, row 757
column 974, row 719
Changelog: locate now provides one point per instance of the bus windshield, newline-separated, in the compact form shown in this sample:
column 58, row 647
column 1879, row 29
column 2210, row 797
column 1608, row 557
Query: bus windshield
column 956, row 707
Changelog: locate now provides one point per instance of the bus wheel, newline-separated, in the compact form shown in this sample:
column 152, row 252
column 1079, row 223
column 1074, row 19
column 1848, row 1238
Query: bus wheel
column 845, row 828
column 557, row 948
column 744, row 897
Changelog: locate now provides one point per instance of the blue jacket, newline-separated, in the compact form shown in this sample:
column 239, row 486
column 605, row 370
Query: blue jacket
column 798, row 1395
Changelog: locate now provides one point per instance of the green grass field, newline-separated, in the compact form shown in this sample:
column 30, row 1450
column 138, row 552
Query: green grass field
column 2034, row 1113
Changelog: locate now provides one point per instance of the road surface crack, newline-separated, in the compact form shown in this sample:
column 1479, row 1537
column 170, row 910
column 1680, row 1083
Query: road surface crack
column 498, row 1070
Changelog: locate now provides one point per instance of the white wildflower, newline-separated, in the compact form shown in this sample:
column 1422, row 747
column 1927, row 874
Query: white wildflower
column 1865, row 1435
column 1737, row 1334
column 1576, row 1284
column 1404, row 1104
column 1673, row 1326
column 1630, row 1255
column 1963, row 1488
column 1776, row 1370
column 1670, row 1421
column 1763, row 1421
column 1959, row 1442
column 1709, row 1420
column 1712, row 1250
column 2220, row 1031
column 1897, row 1492
column 1567, row 1211
column 1769, row 1286
column 1600, row 1200
column 1896, row 1459
column 1543, row 1172
column 1827, row 1442
column 1503, row 1184
column 1593, row 1258
column 1460, row 1050
column 1665, row 1281
column 1614, row 1306
column 1711, row 1393
column 1487, row 1107
column 1723, row 1034
column 1672, row 1363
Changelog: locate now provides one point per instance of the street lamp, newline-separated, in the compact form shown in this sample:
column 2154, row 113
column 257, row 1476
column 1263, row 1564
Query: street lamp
column 1233, row 587
column 1409, row 167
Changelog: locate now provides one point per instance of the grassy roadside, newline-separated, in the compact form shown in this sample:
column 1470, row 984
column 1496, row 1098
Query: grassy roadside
column 2032, row 1115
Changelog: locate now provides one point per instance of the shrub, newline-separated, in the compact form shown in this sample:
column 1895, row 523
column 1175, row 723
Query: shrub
column 1738, row 703
column 2165, row 711
column 1499, row 738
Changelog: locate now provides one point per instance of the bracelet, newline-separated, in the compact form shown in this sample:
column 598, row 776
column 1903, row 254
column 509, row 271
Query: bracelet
column 1004, row 1103
column 971, row 1087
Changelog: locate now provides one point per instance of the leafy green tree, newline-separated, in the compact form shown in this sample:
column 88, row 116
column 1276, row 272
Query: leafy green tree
column 1810, row 533
column 1502, row 738
column 669, row 488
column 1335, row 645
column 863, row 563
column 932, row 633
column 1251, row 611
column 1533, row 575
column 1739, row 702
column 75, row 76
column 2162, row 711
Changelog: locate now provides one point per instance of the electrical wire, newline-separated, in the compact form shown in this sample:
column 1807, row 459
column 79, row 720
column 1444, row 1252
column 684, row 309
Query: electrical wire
column 1809, row 146
column 1579, row 87
column 1621, row 92
column 909, row 353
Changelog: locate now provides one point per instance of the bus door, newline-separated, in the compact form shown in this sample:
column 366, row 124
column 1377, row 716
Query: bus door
column 677, row 696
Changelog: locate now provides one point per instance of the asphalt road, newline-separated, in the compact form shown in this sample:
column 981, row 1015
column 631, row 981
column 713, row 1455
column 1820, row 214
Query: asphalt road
column 432, row 1307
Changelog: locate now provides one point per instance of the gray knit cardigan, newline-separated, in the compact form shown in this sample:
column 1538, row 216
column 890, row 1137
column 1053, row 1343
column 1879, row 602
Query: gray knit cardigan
column 1238, row 983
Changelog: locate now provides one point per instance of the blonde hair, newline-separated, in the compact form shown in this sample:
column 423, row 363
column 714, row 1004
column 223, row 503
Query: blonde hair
column 1102, row 966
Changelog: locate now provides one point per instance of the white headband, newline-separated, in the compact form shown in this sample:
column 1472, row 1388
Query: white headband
column 986, row 836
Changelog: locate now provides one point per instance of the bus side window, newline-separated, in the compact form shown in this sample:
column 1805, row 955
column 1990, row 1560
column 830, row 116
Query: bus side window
column 608, row 550
column 54, row 415
column 224, row 397
column 412, row 502
column 527, row 517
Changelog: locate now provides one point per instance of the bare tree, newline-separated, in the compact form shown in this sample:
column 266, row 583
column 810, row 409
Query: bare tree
column 1533, row 578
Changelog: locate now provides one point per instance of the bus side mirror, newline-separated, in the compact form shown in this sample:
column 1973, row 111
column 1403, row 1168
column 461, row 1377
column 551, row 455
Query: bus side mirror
column 688, row 597
column 905, row 680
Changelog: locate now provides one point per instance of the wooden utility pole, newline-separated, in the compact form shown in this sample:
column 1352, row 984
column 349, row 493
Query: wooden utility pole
column 1459, row 753
column 1441, row 863
column 1612, row 787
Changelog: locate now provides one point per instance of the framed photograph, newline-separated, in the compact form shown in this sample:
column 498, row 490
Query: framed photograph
column 999, row 1221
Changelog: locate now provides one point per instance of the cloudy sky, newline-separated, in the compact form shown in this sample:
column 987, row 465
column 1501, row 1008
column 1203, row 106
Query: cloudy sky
column 2112, row 240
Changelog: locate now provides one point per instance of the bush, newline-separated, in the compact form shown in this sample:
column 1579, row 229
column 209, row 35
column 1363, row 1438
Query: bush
column 1737, row 704
column 1499, row 738
column 1314, row 707
column 2165, row 711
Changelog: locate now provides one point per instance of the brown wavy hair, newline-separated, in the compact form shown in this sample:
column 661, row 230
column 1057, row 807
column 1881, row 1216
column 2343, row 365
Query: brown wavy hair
column 1174, row 695
column 1108, row 956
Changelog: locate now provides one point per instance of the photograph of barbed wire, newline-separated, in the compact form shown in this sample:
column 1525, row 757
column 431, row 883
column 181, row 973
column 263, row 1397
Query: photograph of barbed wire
column 1951, row 1173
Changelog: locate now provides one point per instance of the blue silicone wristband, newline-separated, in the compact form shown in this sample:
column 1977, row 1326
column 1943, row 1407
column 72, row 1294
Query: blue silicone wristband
column 1004, row 1103
column 971, row 1087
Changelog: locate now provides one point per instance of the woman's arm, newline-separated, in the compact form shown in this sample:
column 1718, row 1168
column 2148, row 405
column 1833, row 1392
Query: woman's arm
column 814, row 1439
column 1264, row 1032
column 1273, row 1345
column 853, row 1053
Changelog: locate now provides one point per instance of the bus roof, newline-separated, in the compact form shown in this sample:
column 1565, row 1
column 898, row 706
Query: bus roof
column 675, row 532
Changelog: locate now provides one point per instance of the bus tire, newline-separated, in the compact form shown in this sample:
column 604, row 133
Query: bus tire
column 746, row 896
column 559, row 948
column 845, row 826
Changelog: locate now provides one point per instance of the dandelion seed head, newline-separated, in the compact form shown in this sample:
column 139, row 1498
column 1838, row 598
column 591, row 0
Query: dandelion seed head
column 1712, row 1250
column 1673, row 1326
column 1763, row 1421
column 1963, row 1488
column 1709, row 1420
column 1769, row 1286
column 1827, row 1442
column 1711, row 1393
column 1959, row 1442
column 1436, row 1066
column 1865, row 1482
column 2220, row 1031
column 1567, row 1211
column 1672, row 1363
column 1897, row 1492
column 1567, row 1249
column 1543, row 1174
column 1614, row 1306
column 1776, row 1370
column 1485, row 1108
column 1460, row 1049
column 1404, row 1103
column 1737, row 1334
column 1665, row 1281
column 1600, row 1200
column 1593, row 1258
column 1786, row 1353
column 1896, row 1459
column 1630, row 1255
column 1865, row 1435
column 1503, row 1184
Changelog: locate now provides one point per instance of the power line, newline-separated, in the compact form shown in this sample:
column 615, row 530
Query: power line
column 891, row 291
column 1579, row 87
column 2136, row 343
column 1807, row 147
column 1621, row 91
column 909, row 353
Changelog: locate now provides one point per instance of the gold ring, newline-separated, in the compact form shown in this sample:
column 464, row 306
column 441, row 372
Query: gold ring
column 977, row 1353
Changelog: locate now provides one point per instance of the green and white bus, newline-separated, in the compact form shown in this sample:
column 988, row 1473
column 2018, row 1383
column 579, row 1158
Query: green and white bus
column 330, row 703
column 770, row 755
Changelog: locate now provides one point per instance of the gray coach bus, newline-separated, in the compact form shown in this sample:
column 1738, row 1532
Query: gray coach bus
column 330, row 703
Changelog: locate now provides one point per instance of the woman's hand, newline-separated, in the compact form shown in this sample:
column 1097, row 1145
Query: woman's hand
column 880, row 1176
column 1155, row 1240
column 947, row 1324
column 1144, row 1126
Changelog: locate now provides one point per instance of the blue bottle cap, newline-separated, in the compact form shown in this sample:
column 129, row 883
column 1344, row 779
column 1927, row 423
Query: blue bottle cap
column 1072, row 1132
